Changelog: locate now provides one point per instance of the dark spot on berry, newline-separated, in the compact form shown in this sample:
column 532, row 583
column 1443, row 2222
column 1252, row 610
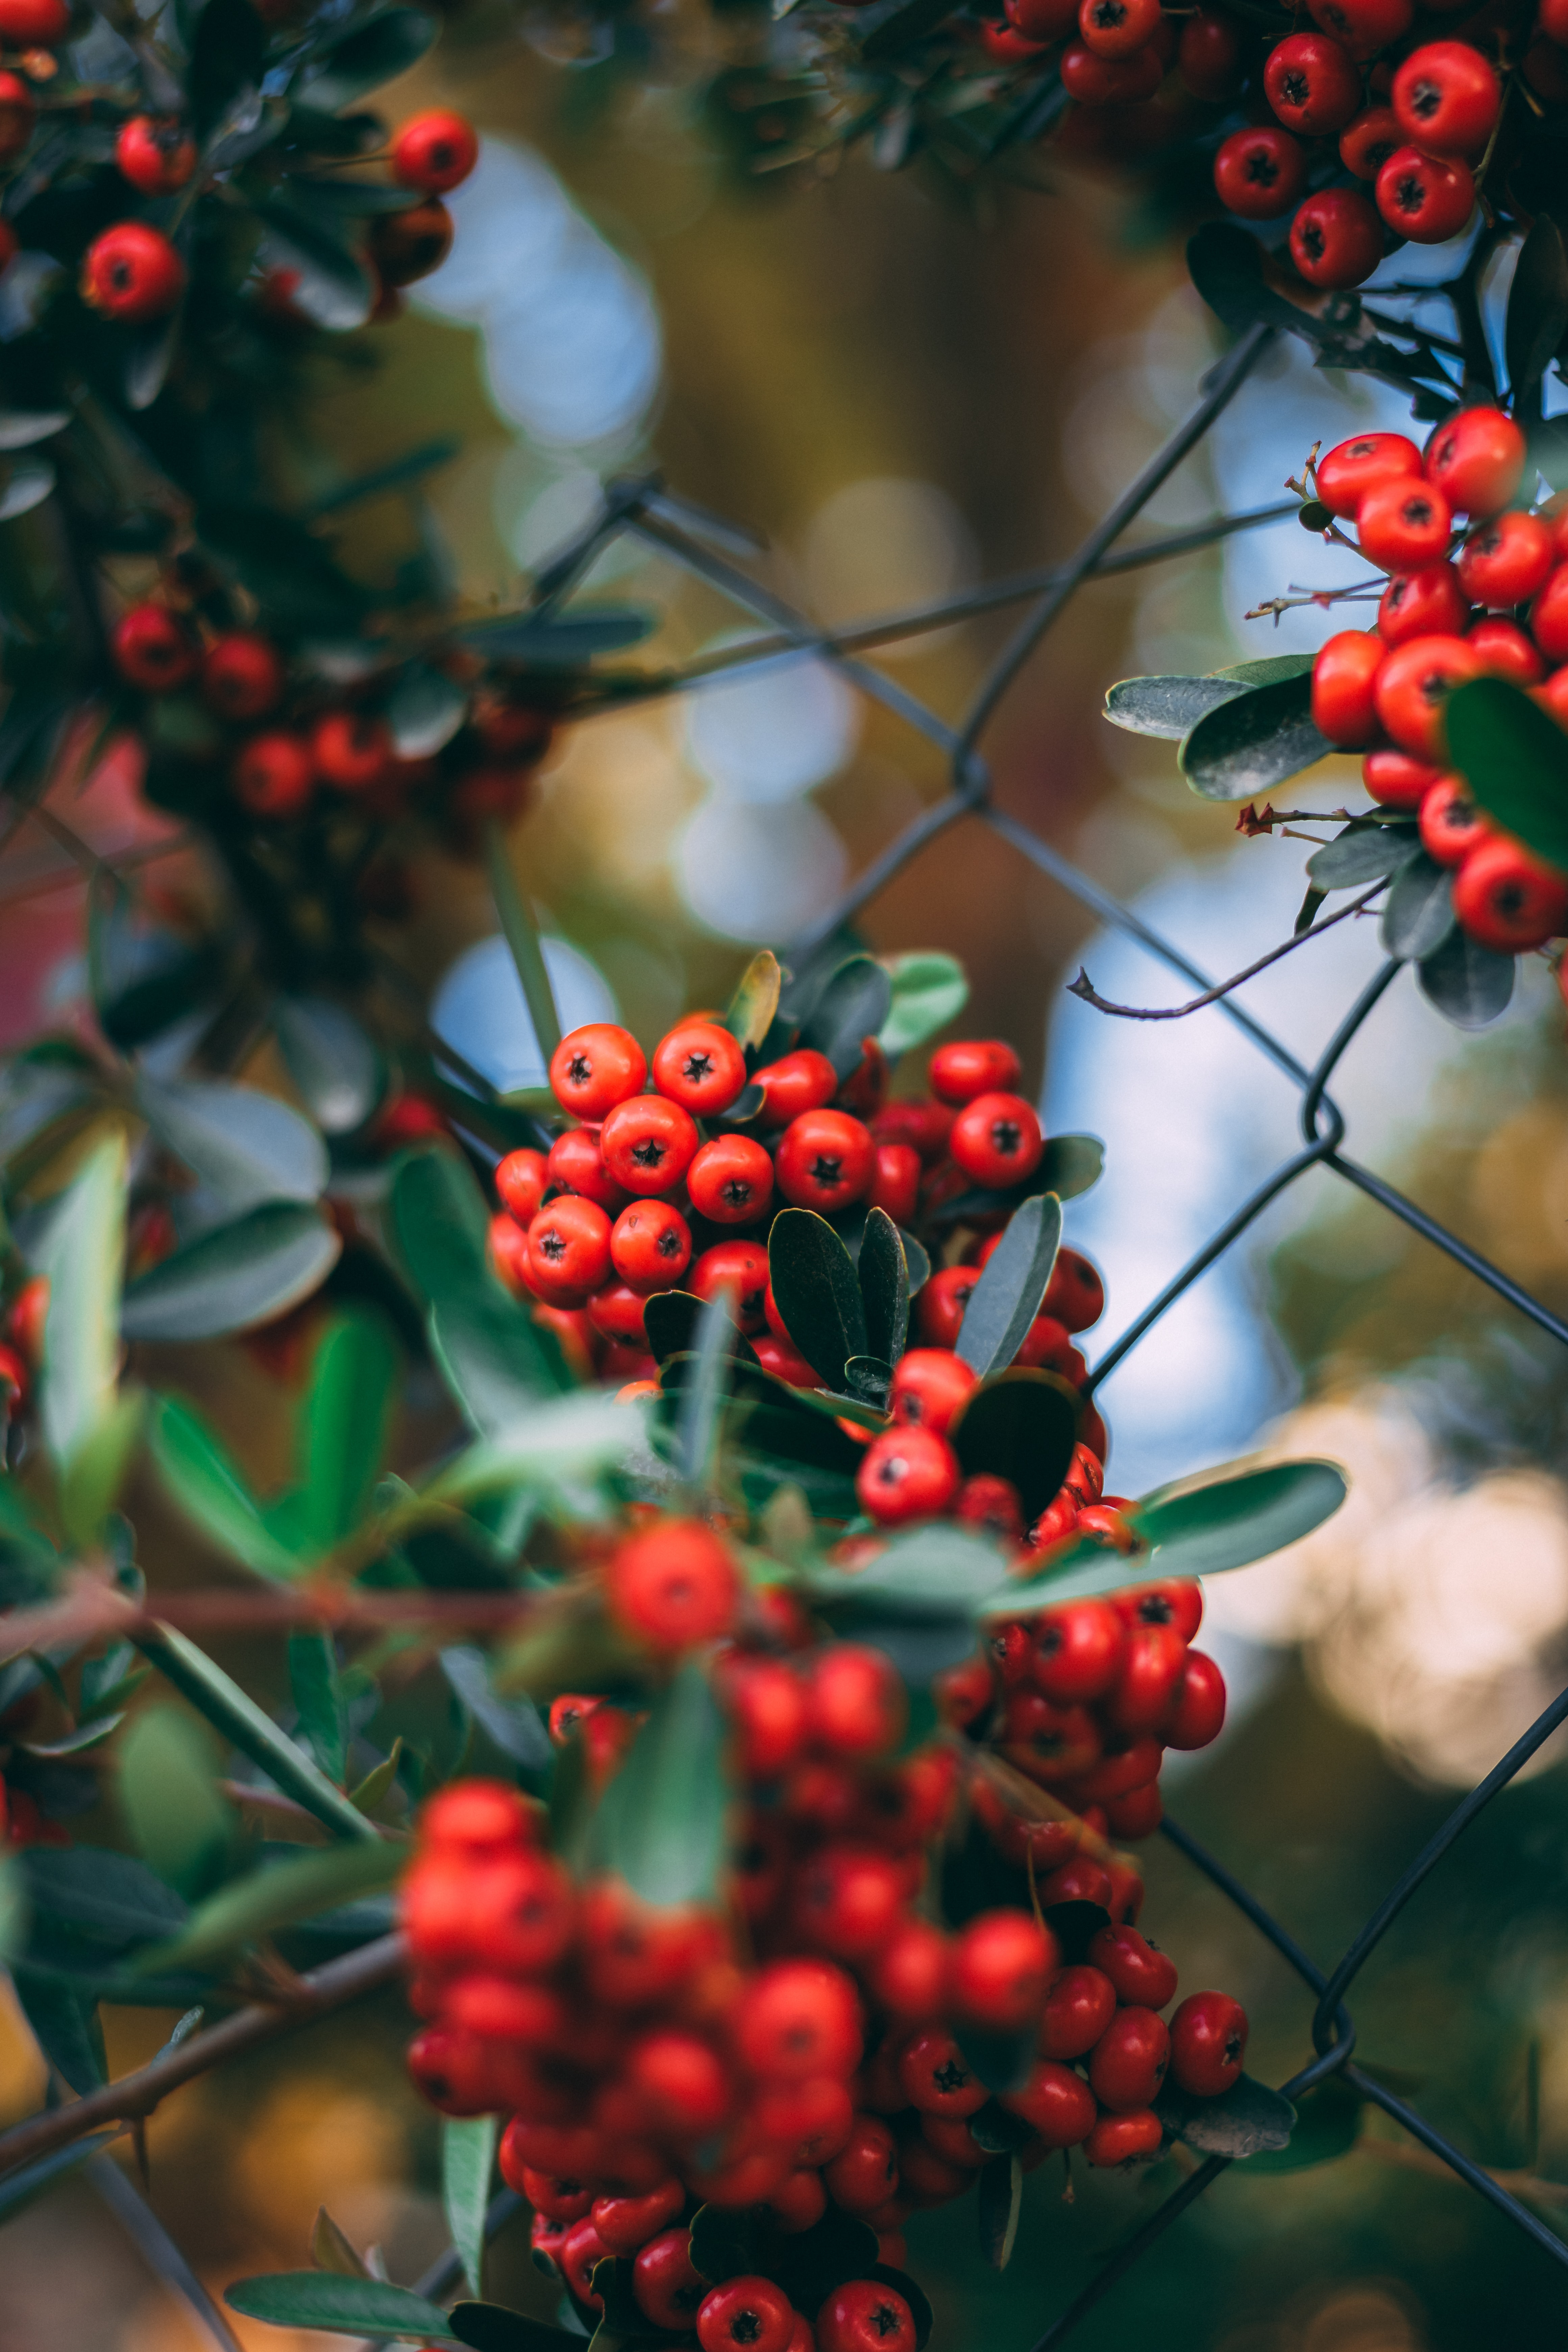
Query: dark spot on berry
column 553, row 1246
column 1007, row 1136
column 886, row 2320
column 580, row 1069
column 1425, row 99
column 1295, row 89
column 735, row 1193
column 697, row 1066
column 1261, row 171
column 950, row 2075
column 1154, row 1608
column 825, row 1169
column 1312, row 241
column 668, row 1242
column 649, row 1152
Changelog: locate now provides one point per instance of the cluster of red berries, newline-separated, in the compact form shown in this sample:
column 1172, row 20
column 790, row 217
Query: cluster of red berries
column 1415, row 128
column 276, row 772
column 1490, row 601
column 22, row 1349
column 652, row 1190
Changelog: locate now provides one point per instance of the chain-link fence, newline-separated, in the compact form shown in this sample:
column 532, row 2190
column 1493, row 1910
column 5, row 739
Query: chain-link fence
column 643, row 508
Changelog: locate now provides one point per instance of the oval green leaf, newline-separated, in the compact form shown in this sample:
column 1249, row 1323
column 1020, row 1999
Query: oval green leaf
column 1021, row 1425
column 1515, row 761
column 1006, row 1298
column 1419, row 912
column 1470, row 984
column 816, row 1292
column 1254, row 741
column 929, row 991
column 351, row 2306
column 1168, row 707
column 235, row 1276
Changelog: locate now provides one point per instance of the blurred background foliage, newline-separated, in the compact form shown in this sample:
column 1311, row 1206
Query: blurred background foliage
column 906, row 392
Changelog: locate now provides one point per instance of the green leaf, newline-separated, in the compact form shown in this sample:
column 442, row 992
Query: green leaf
column 1361, row 854
column 316, row 1689
column 929, row 991
column 1271, row 666
column 332, row 287
column 1244, row 2121
column 565, row 641
column 1073, row 1164
column 942, row 1569
column 884, row 1288
column 14, row 1909
column 424, row 710
column 1251, row 743
column 91, row 1479
column 206, row 1483
column 348, row 2305
column 331, row 1059
column 999, row 2199
column 1167, row 707
column 396, row 475
column 467, row 2160
column 854, row 1005
column 522, row 939
column 1515, row 761
column 561, row 1447
column 100, row 1896
column 670, row 1319
column 1231, row 1520
column 1537, row 322
column 1006, row 1298
column 1418, row 913
column 490, row 2327
column 19, row 2188
column 20, row 428
column 345, row 199
column 749, row 1016
column 65, row 2026
column 214, row 1694
column 81, row 1255
column 1328, row 2124
column 168, row 1790
column 727, row 2241
column 374, row 50
column 816, row 1292
column 234, row 1276
column 342, row 1424
column 867, row 1382
column 1021, row 1424
column 248, row 1147
column 660, row 1824
column 1470, row 984
column 513, row 1725
column 496, row 1361
column 696, row 1431
column 275, row 1897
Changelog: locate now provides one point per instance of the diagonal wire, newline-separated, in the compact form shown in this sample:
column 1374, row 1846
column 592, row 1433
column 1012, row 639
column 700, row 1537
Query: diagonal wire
column 158, row 2249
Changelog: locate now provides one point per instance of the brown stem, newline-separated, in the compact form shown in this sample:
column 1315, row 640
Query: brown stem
column 1083, row 987
column 136, row 2095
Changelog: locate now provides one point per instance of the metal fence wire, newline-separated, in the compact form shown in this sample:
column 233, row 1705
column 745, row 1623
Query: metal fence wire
column 643, row 508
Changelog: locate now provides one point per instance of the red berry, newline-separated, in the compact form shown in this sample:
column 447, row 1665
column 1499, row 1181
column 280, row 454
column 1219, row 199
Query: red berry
column 776, row 1356
column 435, row 152
column 865, row 2172
column 1117, row 28
column 1549, row 617
column 1447, row 97
column 1424, row 604
column 996, row 1139
column 856, row 1701
column 1505, row 651
column 1425, row 197
column 895, row 1182
column 1313, row 84
column 767, row 1705
column 701, row 1066
column 242, row 676
column 1176, row 1600
column 1074, row 1294
column 940, row 1305
column 745, row 2314
column 1139, row 1971
column 925, row 2178
column 275, row 775
column 674, row 1584
column 1151, row 1668
column 846, row 1900
column 477, row 1818
column 864, row 2316
column 907, row 1473
column 930, row 1387
column 519, row 1182
column 1345, row 677
column 923, row 1125
column 824, row 1161
column 798, row 2018
column 1208, row 55
column 936, row 2077
column 581, row 2249
column 26, row 1318
column 1260, row 173
column 650, row 1244
column 521, row 1914
column 557, row 2202
column 153, row 649
column 617, row 1312
column 155, row 152
column 576, row 1164
column 1138, row 1814
column 1509, row 901
column 1127, row 1768
column 1128, row 2061
column 1198, row 1709
column 1079, row 1651
column 974, row 1066
column 569, row 1712
column 1352, row 467
column 730, row 1180
column 452, row 2070
column 665, row 2286
column 1363, row 27
column 648, row 1143
column 740, row 1267
column 1414, row 686
column 34, row 24
column 1336, row 238
column 353, row 751
column 595, row 1067
column 1059, row 1742
column 1504, row 562
column 1110, row 81
column 800, row 1082
column 1057, row 2104
column 627, row 2223
column 1396, row 781
column 1209, row 2041
column 569, row 1248
column 1366, row 145
column 131, row 273
column 1002, row 1962
column 908, row 1977
column 1403, row 525
column 992, row 1503
column 1125, row 2139
column 1080, row 2005
column 1477, row 459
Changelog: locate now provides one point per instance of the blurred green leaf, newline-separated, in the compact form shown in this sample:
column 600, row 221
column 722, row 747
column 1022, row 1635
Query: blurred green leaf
column 1470, row 984
column 661, row 1825
column 331, row 1059
column 226, row 56
column 942, row 1569
column 1514, row 758
column 1328, row 2124
column 82, row 1253
column 15, row 1910
column 1361, row 854
column 999, row 2200
column 749, row 1014
column 234, row 1276
column 350, row 2306
column 702, row 1402
column 496, row 1360
column 929, row 991
column 275, row 1897
column 424, row 710
column 523, row 938
column 248, row 1147
column 467, row 2160
column 342, row 1424
column 1418, row 913
column 373, row 50
column 206, row 1483
column 1007, row 1296
column 99, row 1897
column 1244, row 2121
column 168, row 1791
column 854, row 1004
column 316, row 1691
column 65, row 2026
column 91, row 1479
column 562, row 1448
column 670, row 1318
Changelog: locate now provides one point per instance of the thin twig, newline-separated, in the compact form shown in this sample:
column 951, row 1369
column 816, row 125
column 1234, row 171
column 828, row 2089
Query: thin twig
column 1083, row 988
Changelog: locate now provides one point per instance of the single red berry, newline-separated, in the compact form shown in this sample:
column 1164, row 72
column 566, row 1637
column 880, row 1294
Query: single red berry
column 152, row 648
column 939, row 1304
column 1477, row 459
column 992, row 1503
column 1424, row 604
column 1363, row 27
column 452, row 2070
column 275, row 775
column 1196, row 1714
column 926, row 2178
column 1110, row 81
column 1128, row 2061
column 856, row 1701
column 1447, row 97
column 797, row 2204
column 846, row 1900
column 865, row 2172
column 936, row 2077
column 972, row 1067
column 1395, row 781
column 800, row 1082
column 581, row 2250
column 824, row 1161
column 740, row 1268
column 648, row 1143
column 1056, row 2102
column 131, row 273
column 701, row 1066
column 730, row 1180
column 569, row 1247
column 895, row 1183
column 1427, row 199
column 1125, row 2139
column 1505, row 651
column 1085, row 1480
column 650, row 1245
column 1080, row 2004
column 923, row 1125
column 1176, row 1600
column 1404, row 525
column 556, row 2203
column 1312, row 85
column 1151, row 1668
column 777, row 1357
column 1344, row 678
column 769, row 1709
column 34, row 24
column 17, row 115
column 1260, row 173
column 595, row 1067
column 353, row 751
column 1079, row 1651
column 674, row 1584
column 930, row 1387
column 435, row 152
column 1141, row 1973
column 521, row 1909
column 1504, row 562
column 996, row 1139
column 1056, row 1743
column 1451, row 825
column 1074, row 1294
column 520, row 1177
column 26, row 1318
column 570, row 1712
column 1208, row 2041
column 576, row 1163
column 409, row 245
column 1366, row 145
column 1352, row 467
column 1509, row 901
column 627, row 2223
column 1117, row 28
column 1126, row 1766
column 242, row 676
column 1208, row 55
column 1412, row 688
column 477, row 1818
column 1138, row 1814
column 907, row 1473
column 908, row 1977
column 506, row 1242
column 155, row 152
column 1003, row 1961
column 797, row 2018
column 617, row 1312
column 666, row 2288
column 1549, row 617
column 1336, row 238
